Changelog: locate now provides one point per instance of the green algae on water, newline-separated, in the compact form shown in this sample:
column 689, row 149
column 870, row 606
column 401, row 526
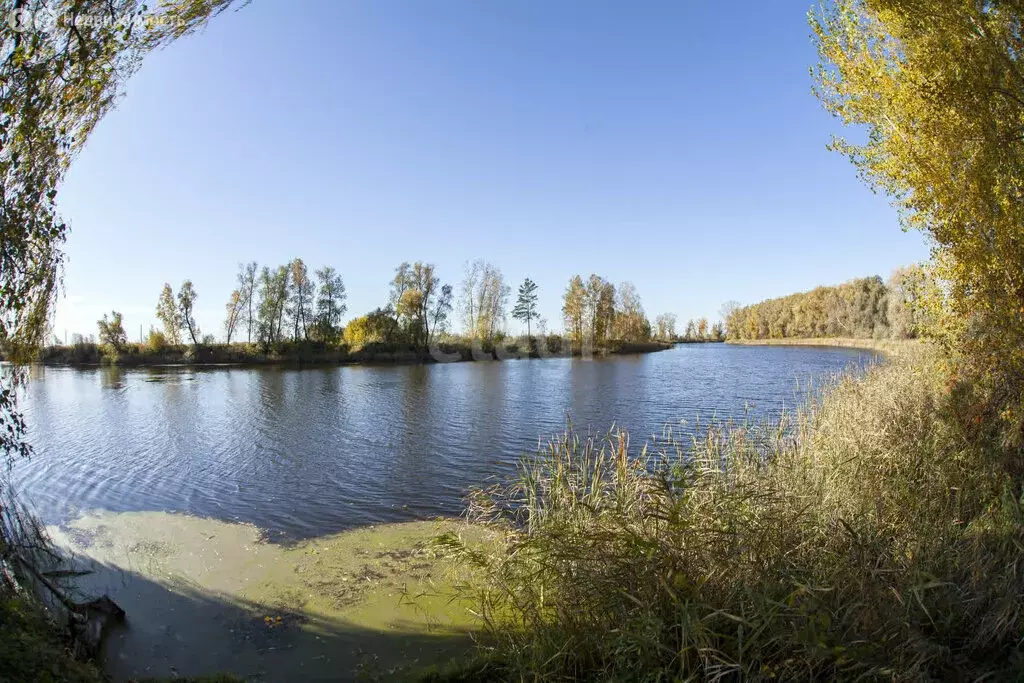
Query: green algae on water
column 206, row 596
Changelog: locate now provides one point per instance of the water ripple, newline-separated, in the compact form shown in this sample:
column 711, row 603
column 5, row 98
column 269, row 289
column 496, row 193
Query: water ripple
column 307, row 452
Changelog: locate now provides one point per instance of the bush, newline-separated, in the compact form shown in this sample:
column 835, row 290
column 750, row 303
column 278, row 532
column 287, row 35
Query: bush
column 156, row 342
column 867, row 537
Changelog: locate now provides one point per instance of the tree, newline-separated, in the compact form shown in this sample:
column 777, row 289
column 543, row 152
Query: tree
column 414, row 300
column 273, row 297
column 730, row 320
column 300, row 298
column 666, row 323
column 247, row 280
column 111, row 331
column 235, row 313
column 526, row 304
column 168, row 314
column 186, row 304
column 601, row 308
column 156, row 341
column 906, row 311
column 630, row 320
column 938, row 87
column 484, row 296
column 407, row 313
column 357, row 332
column 380, row 325
column 574, row 309
column 440, row 313
column 377, row 327
column 691, row 330
column 702, row 328
column 330, row 303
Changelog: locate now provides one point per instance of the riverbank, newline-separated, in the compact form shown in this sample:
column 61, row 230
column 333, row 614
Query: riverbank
column 882, row 345
column 872, row 535
column 33, row 648
column 312, row 354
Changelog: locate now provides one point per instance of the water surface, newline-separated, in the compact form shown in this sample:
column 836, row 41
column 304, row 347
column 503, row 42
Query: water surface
column 303, row 453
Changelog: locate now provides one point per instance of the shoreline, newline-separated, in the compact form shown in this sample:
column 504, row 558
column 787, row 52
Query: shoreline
column 881, row 345
column 239, row 356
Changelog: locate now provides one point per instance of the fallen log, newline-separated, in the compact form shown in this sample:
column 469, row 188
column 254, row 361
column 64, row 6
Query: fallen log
column 88, row 620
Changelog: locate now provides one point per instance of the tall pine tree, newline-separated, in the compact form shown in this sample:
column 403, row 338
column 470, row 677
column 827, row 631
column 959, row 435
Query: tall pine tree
column 526, row 304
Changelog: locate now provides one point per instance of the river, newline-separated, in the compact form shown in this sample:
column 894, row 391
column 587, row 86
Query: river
column 306, row 452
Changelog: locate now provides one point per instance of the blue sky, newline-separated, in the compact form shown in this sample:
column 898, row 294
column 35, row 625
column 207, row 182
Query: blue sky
column 672, row 144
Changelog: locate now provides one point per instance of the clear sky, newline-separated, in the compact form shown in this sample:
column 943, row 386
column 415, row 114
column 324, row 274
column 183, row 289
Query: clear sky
column 673, row 144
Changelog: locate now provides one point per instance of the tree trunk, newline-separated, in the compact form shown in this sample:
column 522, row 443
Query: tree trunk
column 252, row 286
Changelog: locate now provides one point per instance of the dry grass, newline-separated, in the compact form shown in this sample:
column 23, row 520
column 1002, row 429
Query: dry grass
column 889, row 346
column 866, row 537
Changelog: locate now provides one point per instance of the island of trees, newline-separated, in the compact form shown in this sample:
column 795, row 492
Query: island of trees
column 288, row 314
column 285, row 314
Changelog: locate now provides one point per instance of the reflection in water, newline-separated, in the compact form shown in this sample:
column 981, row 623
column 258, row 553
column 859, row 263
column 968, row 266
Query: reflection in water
column 308, row 452
column 112, row 377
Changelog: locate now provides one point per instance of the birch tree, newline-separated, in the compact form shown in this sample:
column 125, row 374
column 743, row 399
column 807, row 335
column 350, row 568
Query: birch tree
column 574, row 309
column 484, row 297
column 300, row 298
column 234, row 313
column 247, row 282
column 168, row 314
column 330, row 303
column 186, row 305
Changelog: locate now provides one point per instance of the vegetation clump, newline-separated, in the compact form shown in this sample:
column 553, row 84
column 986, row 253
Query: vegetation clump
column 33, row 649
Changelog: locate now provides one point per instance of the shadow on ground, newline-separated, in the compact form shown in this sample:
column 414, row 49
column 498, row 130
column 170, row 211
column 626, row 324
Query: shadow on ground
column 204, row 597
column 174, row 629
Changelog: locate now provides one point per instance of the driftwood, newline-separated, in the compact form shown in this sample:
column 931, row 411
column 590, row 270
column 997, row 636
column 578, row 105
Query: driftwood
column 90, row 620
column 61, row 573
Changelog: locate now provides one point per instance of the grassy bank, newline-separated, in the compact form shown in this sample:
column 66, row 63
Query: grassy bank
column 33, row 648
column 884, row 345
column 875, row 534
column 310, row 353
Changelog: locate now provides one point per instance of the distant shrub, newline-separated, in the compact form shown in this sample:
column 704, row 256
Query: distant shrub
column 112, row 334
column 376, row 327
column 157, row 341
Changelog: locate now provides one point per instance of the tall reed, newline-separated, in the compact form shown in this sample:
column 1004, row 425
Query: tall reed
column 866, row 537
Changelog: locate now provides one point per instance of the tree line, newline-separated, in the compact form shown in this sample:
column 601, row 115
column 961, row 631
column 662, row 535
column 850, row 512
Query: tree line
column 420, row 310
column 273, row 305
column 270, row 306
column 865, row 308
